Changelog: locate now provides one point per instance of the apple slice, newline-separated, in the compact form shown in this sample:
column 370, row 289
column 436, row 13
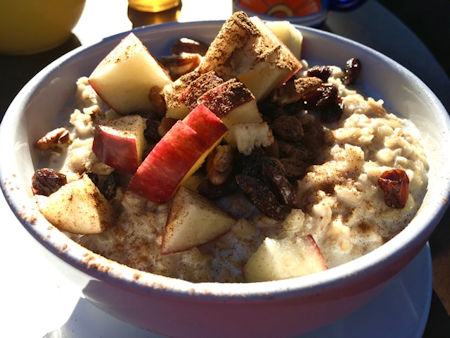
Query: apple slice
column 247, row 49
column 125, row 77
column 193, row 220
column 285, row 258
column 209, row 127
column 78, row 207
column 289, row 35
column 120, row 143
column 177, row 155
column 232, row 102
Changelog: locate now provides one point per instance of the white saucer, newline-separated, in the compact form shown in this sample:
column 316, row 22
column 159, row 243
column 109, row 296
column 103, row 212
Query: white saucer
column 41, row 302
column 401, row 310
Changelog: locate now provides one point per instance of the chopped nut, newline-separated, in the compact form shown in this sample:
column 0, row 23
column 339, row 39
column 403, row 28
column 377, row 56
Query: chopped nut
column 185, row 45
column 53, row 139
column 178, row 65
column 219, row 164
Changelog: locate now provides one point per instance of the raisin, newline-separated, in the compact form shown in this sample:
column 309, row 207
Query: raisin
column 109, row 186
column 274, row 173
column 288, row 128
column 322, row 72
column 352, row 70
column 262, row 197
column 106, row 184
column 325, row 99
column 151, row 131
column 395, row 186
column 46, row 181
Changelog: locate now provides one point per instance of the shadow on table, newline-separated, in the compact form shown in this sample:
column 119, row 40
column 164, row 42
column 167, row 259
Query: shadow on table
column 17, row 70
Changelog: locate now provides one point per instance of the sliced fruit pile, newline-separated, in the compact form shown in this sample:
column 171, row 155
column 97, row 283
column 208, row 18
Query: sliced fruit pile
column 211, row 121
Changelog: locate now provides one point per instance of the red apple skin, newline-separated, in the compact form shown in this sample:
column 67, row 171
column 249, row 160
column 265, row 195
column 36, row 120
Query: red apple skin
column 159, row 176
column 206, row 124
column 119, row 152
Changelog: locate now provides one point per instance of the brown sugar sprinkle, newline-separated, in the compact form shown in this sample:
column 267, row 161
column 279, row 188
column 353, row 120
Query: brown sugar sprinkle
column 224, row 98
column 198, row 87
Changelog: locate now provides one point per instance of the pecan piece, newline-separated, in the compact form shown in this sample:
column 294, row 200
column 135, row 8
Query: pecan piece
column 186, row 45
column 53, row 139
column 262, row 197
column 46, row 181
column 178, row 65
column 219, row 164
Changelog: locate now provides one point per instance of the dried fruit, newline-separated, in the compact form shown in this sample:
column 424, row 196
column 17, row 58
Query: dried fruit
column 288, row 128
column 395, row 186
column 274, row 173
column 151, row 131
column 106, row 184
column 352, row 70
column 46, row 181
column 322, row 72
column 262, row 197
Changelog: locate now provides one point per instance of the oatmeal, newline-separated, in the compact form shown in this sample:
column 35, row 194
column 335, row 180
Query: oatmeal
column 289, row 178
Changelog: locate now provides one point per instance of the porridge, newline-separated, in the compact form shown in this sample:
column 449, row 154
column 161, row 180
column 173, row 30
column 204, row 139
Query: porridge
column 214, row 167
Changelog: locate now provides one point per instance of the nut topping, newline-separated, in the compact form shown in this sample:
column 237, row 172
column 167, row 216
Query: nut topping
column 219, row 164
column 53, row 139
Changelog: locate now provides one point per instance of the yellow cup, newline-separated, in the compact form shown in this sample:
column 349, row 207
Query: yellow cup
column 32, row 26
column 153, row 6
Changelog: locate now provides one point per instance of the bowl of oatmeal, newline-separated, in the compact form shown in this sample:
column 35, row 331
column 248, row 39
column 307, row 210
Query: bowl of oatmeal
column 336, row 181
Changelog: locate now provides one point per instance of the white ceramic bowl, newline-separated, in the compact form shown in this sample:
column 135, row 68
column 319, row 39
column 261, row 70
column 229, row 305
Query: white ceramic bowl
column 176, row 307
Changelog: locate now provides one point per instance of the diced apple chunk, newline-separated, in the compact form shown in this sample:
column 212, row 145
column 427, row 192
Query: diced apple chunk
column 176, row 109
column 177, row 155
column 193, row 220
column 78, row 207
column 232, row 102
column 125, row 77
column 247, row 49
column 120, row 143
column 290, row 36
column 247, row 136
column 285, row 258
